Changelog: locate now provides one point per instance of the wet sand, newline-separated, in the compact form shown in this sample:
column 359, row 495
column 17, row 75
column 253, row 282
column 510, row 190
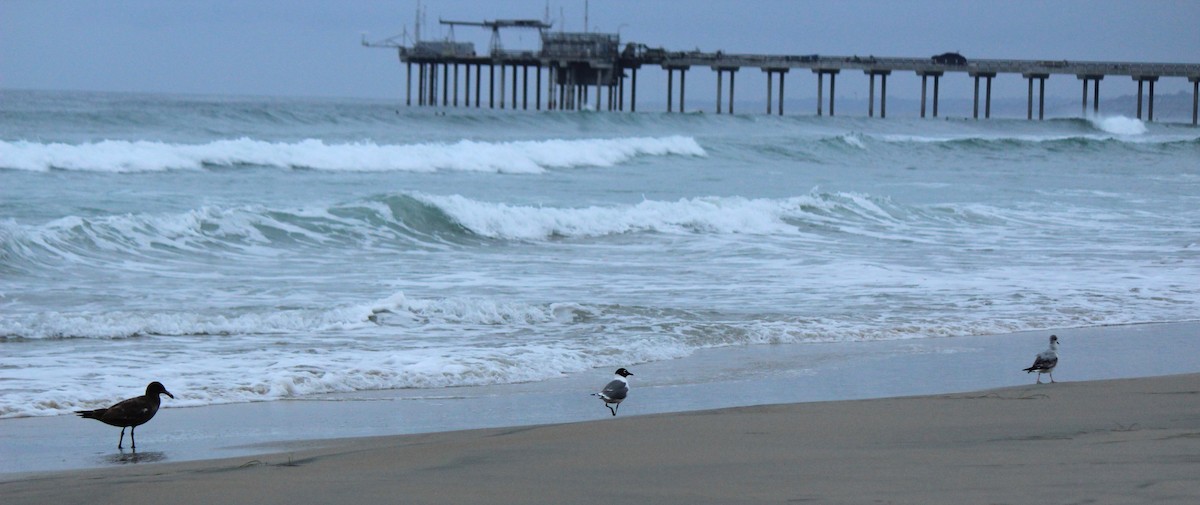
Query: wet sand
column 1107, row 441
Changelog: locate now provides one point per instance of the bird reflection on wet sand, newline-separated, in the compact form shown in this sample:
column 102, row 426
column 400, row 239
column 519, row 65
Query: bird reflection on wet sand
column 134, row 457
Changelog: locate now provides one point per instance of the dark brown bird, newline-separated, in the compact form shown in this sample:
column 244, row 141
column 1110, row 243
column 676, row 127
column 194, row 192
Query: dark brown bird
column 130, row 413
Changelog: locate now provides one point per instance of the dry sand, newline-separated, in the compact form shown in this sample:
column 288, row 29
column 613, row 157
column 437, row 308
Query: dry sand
column 1116, row 441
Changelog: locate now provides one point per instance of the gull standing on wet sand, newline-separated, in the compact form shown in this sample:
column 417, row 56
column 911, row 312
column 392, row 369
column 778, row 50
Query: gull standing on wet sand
column 130, row 413
column 616, row 390
column 1046, row 361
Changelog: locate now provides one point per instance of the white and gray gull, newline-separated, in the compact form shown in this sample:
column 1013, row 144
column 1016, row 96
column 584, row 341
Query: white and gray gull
column 615, row 391
column 1046, row 361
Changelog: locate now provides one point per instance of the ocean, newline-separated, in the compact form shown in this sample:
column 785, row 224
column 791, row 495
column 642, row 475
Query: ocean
column 248, row 249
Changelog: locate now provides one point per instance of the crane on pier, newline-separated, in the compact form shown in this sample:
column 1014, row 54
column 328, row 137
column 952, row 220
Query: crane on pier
column 496, row 47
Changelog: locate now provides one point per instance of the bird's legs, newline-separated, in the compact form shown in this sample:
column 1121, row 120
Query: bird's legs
column 1039, row 381
column 132, row 441
column 122, row 439
column 611, row 409
column 1051, row 377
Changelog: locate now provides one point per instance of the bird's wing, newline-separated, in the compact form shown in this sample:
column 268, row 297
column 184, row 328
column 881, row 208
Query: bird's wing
column 1045, row 360
column 133, row 410
column 615, row 390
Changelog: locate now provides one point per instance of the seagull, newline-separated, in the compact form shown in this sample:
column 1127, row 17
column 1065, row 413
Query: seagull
column 616, row 390
column 1046, row 361
column 130, row 413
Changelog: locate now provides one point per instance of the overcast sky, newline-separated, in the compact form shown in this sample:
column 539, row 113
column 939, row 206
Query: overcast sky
column 312, row 48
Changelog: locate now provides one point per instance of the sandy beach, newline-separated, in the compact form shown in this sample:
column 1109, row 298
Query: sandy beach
column 1108, row 441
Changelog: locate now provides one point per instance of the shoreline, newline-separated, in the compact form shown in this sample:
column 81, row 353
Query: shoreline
column 710, row 379
column 1123, row 440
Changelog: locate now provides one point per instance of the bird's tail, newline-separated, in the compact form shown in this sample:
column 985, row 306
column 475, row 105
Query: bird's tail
column 91, row 414
column 1029, row 370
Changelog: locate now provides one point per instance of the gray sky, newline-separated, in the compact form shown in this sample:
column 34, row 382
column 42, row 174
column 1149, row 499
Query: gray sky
column 312, row 48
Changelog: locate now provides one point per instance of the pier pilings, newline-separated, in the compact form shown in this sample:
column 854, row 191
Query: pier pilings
column 987, row 101
column 578, row 62
column 883, row 74
column 1195, row 98
column 682, row 83
column 720, row 71
column 770, row 73
column 1150, row 109
column 821, row 73
column 1041, row 78
column 1095, row 79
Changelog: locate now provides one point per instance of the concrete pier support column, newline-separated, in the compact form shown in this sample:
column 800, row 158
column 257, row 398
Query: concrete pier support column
column 871, row 96
column 1140, row 80
column 924, row 78
column 882, row 95
column 478, row 88
column 832, row 90
column 832, row 73
column 1029, row 102
column 719, row 73
column 550, row 85
column 936, row 80
column 621, row 93
column 524, row 87
column 820, row 90
column 1041, row 95
column 455, row 85
column 445, row 84
column 633, row 91
column 975, row 108
column 1041, row 98
column 682, row 88
column 1083, row 107
column 491, row 86
column 467, row 86
column 731, row 75
column 420, row 84
column 1150, row 108
column 670, row 88
column 1139, row 97
column 1096, row 93
column 503, row 69
column 562, row 88
column 987, row 100
column 537, row 87
column 514, row 87
column 771, row 76
column 781, row 74
column 925, row 74
column 769, row 79
column 433, row 76
column 1195, row 97
column 408, row 84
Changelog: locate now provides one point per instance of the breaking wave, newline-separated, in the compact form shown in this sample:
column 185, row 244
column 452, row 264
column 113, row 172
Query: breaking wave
column 524, row 157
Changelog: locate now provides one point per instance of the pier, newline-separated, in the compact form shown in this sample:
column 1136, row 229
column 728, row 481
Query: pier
column 580, row 64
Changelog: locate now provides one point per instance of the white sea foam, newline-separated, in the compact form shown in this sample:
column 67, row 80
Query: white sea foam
column 730, row 215
column 1119, row 125
column 466, row 155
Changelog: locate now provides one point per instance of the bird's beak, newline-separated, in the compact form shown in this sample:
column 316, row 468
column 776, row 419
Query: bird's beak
column 169, row 394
